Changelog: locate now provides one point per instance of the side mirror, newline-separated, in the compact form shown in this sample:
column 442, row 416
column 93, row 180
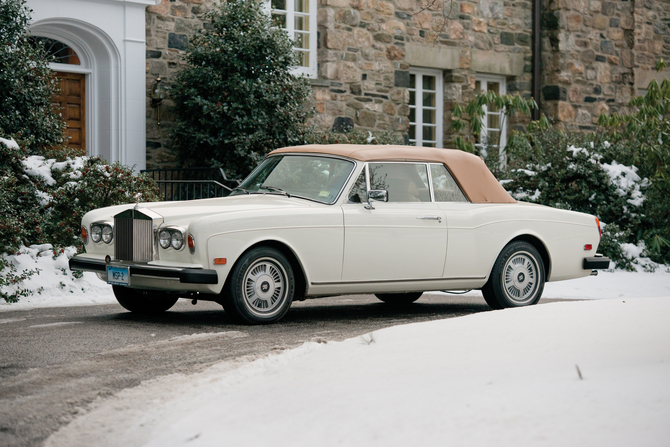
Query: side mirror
column 376, row 195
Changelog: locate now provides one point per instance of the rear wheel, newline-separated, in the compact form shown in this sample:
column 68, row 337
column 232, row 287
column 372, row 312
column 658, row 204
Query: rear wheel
column 261, row 287
column 399, row 299
column 146, row 302
column 517, row 278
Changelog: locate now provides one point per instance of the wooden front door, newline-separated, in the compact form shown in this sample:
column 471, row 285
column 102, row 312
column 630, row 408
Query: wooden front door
column 72, row 104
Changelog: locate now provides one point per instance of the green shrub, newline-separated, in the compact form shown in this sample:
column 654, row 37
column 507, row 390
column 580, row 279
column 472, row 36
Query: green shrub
column 42, row 201
column 552, row 168
column 641, row 139
column 84, row 184
column 20, row 218
column 236, row 98
column 26, row 84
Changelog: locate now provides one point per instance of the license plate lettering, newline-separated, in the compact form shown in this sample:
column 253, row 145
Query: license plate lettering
column 118, row 276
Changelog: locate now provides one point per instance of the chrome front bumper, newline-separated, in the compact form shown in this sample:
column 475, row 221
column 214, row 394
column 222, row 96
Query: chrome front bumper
column 183, row 275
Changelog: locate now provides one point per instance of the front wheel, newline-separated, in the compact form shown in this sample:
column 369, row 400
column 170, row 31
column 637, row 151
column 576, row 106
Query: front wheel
column 261, row 287
column 399, row 299
column 144, row 302
column 517, row 278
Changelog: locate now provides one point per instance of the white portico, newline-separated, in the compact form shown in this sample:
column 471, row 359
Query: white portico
column 105, row 75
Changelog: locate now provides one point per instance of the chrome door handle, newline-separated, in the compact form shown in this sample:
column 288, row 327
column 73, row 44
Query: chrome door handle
column 437, row 218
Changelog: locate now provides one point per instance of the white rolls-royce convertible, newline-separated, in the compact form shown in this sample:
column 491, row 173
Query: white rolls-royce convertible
column 323, row 220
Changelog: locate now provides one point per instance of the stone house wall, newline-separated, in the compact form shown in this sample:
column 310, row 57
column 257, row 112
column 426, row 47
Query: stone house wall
column 368, row 47
column 169, row 27
column 595, row 55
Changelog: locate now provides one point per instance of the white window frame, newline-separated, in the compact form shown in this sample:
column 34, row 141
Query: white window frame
column 483, row 84
column 311, row 71
column 418, row 107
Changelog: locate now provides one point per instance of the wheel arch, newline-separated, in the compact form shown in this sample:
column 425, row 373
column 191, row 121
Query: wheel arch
column 540, row 247
column 298, row 271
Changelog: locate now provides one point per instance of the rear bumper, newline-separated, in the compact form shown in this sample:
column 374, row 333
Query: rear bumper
column 184, row 275
column 596, row 263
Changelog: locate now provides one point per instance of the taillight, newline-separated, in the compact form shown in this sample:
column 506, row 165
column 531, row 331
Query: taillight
column 600, row 232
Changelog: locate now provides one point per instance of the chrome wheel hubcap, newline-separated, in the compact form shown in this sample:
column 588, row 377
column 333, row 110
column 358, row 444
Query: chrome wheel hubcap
column 520, row 279
column 264, row 286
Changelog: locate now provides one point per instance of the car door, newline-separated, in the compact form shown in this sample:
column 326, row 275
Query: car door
column 402, row 239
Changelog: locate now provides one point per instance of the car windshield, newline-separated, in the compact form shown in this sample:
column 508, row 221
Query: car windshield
column 309, row 177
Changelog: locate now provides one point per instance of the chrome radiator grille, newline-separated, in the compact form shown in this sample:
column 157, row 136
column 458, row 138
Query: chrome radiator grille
column 133, row 237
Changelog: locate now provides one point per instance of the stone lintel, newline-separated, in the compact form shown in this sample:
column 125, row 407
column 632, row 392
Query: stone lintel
column 493, row 62
column 643, row 77
column 429, row 56
column 318, row 82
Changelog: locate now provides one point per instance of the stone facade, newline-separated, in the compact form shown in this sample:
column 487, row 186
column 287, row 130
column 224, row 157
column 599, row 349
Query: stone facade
column 169, row 27
column 595, row 55
column 367, row 48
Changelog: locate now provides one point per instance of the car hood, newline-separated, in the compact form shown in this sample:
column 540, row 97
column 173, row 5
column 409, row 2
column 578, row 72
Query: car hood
column 183, row 212
column 207, row 207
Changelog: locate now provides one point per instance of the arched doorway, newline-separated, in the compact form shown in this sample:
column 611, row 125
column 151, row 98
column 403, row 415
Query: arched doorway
column 88, row 66
column 71, row 100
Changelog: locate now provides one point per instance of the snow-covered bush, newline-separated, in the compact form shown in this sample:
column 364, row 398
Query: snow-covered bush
column 572, row 172
column 43, row 200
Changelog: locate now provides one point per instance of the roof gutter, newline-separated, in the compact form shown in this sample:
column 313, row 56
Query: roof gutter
column 537, row 5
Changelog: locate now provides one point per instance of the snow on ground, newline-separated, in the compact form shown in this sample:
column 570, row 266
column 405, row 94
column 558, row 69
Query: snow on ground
column 55, row 284
column 505, row 377
column 590, row 373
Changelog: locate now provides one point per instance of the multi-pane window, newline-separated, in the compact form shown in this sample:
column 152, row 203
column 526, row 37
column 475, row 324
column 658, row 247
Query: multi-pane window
column 59, row 51
column 494, row 131
column 298, row 19
column 425, row 107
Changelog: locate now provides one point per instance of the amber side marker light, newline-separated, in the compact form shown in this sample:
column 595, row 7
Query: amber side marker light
column 220, row 261
column 84, row 234
column 600, row 232
column 191, row 244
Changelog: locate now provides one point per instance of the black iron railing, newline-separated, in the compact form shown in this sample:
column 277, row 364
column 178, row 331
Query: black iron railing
column 192, row 183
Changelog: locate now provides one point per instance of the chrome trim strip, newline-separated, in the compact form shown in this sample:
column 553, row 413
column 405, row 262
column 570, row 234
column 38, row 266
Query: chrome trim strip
column 394, row 281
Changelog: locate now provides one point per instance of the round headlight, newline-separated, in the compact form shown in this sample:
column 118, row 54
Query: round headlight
column 107, row 234
column 96, row 233
column 164, row 238
column 177, row 240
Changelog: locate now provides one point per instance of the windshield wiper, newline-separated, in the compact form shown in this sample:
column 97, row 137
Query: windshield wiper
column 275, row 189
column 240, row 189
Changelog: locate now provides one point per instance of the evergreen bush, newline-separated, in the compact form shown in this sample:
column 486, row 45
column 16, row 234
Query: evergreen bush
column 641, row 139
column 26, row 84
column 582, row 173
column 43, row 200
column 236, row 99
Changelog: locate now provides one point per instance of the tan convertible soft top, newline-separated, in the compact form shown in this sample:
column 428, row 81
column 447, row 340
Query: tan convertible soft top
column 470, row 171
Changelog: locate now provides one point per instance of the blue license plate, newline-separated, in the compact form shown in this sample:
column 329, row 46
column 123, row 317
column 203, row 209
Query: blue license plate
column 118, row 276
